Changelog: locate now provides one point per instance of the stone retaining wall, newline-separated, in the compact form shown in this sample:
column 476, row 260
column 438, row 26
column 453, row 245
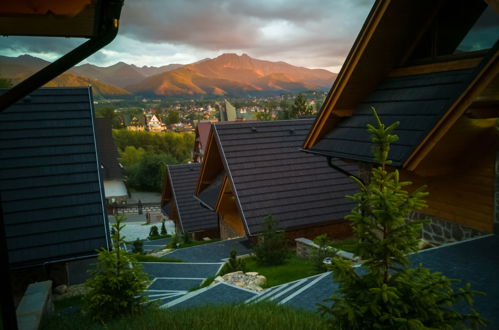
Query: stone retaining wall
column 440, row 231
column 304, row 247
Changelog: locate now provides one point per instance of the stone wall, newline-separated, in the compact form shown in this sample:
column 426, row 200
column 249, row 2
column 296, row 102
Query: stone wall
column 305, row 247
column 440, row 231
column 227, row 231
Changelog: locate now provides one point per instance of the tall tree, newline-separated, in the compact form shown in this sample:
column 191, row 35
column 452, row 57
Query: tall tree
column 299, row 108
column 110, row 113
column 387, row 293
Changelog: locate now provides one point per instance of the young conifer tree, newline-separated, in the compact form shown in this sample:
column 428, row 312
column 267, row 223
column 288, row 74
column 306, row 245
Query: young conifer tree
column 387, row 293
column 117, row 283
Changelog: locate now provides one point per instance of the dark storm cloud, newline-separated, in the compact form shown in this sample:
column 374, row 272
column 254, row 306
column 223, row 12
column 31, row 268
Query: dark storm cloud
column 236, row 24
column 35, row 45
column 312, row 33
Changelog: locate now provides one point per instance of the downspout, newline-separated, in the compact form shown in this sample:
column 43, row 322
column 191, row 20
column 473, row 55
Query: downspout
column 341, row 170
column 107, row 32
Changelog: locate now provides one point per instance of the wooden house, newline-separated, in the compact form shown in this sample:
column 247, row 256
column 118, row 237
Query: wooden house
column 50, row 182
column 135, row 122
column 178, row 202
column 255, row 169
column 115, row 189
column 202, row 131
column 433, row 66
column 154, row 124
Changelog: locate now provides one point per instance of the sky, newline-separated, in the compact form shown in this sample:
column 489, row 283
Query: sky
column 308, row 33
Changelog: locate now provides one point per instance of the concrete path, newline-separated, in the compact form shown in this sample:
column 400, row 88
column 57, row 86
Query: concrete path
column 211, row 252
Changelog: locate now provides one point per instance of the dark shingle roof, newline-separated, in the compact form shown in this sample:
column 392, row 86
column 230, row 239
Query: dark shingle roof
column 271, row 176
column 209, row 194
column 417, row 101
column 108, row 154
column 193, row 217
column 49, row 180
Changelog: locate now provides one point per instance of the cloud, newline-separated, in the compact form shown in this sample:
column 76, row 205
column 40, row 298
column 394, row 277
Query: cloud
column 311, row 33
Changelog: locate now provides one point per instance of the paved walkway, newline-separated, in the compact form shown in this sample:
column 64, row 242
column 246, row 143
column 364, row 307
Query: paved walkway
column 211, row 252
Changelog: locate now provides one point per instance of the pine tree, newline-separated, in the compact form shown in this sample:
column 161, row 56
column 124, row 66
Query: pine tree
column 117, row 283
column 387, row 293
column 271, row 247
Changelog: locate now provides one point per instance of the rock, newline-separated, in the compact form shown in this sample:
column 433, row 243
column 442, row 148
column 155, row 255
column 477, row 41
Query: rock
column 260, row 280
column 61, row 289
column 206, row 239
column 252, row 273
column 241, row 284
column 218, row 279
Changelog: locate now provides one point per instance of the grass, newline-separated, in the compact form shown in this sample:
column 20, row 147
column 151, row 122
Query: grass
column 191, row 243
column 147, row 258
column 293, row 269
column 345, row 245
column 237, row 317
column 152, row 238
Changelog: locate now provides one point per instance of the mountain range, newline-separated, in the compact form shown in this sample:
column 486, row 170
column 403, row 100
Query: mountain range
column 227, row 74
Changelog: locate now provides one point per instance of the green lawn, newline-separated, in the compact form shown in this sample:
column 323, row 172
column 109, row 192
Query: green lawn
column 293, row 269
column 191, row 243
column 345, row 245
column 148, row 258
column 257, row 316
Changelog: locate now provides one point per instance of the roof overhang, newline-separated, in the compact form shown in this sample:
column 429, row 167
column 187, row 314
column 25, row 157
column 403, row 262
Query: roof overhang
column 97, row 20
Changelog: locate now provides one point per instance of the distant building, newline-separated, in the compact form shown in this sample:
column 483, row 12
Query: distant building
column 135, row 122
column 154, row 124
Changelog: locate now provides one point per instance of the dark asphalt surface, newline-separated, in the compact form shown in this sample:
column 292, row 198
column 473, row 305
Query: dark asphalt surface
column 211, row 252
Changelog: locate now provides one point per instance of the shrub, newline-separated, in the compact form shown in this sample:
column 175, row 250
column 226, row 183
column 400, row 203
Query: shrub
column 138, row 246
column 234, row 264
column 271, row 247
column 186, row 238
column 389, row 294
column 117, row 283
column 153, row 232
column 174, row 242
column 163, row 228
column 319, row 254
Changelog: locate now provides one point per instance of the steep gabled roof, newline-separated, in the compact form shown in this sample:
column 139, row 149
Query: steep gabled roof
column 182, row 182
column 50, row 185
column 202, row 132
column 108, row 154
column 270, row 176
column 387, row 68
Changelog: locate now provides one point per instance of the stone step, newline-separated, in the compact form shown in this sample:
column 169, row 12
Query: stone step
column 220, row 293
column 266, row 293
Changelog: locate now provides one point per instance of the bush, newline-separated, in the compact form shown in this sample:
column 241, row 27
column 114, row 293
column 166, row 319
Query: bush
column 389, row 294
column 186, row 238
column 163, row 229
column 271, row 247
column 153, row 232
column 234, row 264
column 319, row 254
column 174, row 242
column 117, row 284
column 138, row 246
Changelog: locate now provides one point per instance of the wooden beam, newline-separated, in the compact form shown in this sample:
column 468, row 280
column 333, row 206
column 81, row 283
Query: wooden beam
column 436, row 67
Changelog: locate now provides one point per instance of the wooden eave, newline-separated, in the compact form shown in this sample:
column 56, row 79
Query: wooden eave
column 166, row 192
column 486, row 75
column 208, row 165
column 225, row 189
column 383, row 43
